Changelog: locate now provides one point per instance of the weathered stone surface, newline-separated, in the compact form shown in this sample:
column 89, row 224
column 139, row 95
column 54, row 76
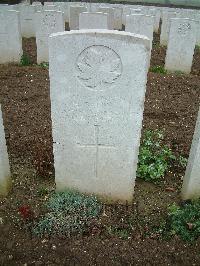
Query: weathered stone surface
column 46, row 22
column 4, row 162
column 191, row 181
column 93, row 20
column 181, row 44
column 98, row 80
column 10, row 37
column 74, row 16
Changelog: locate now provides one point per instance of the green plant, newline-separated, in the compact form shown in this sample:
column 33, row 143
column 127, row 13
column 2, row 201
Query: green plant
column 44, row 64
column 69, row 212
column 154, row 157
column 198, row 47
column 25, row 60
column 158, row 69
column 182, row 161
column 184, row 220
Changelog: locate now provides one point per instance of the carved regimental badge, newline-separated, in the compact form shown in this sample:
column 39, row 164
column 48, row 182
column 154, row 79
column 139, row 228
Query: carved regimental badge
column 184, row 28
column 98, row 67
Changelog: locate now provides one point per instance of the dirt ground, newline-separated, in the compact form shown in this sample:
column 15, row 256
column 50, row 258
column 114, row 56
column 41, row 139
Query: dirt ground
column 171, row 104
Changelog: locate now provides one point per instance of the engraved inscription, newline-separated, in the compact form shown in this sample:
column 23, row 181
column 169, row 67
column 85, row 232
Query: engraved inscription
column 184, row 28
column 98, row 67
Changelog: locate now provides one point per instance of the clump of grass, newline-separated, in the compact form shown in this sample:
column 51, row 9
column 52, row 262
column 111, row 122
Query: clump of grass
column 25, row 60
column 182, row 161
column 44, row 64
column 154, row 157
column 158, row 69
column 68, row 212
column 183, row 221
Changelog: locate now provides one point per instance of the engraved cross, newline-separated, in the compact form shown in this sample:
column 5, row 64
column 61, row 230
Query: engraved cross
column 97, row 146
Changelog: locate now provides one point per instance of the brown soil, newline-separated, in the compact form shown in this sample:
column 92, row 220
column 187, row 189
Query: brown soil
column 172, row 102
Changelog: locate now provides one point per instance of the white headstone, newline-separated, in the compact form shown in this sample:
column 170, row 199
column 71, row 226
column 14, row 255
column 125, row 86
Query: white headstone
column 10, row 37
column 126, row 11
column 49, row 4
column 110, row 12
column 74, row 16
column 140, row 24
column 166, row 16
column 98, row 80
column 46, row 22
column 38, row 6
column 95, row 20
column 27, row 14
column 191, row 181
column 51, row 7
column 6, row 7
column 155, row 12
column 58, row 6
column 4, row 162
column 66, row 11
column 118, row 18
column 198, row 29
column 181, row 45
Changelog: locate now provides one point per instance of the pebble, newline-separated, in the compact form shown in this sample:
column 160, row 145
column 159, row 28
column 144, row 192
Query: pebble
column 54, row 247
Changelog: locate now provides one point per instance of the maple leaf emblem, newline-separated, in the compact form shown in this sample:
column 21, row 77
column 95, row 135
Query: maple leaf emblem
column 98, row 65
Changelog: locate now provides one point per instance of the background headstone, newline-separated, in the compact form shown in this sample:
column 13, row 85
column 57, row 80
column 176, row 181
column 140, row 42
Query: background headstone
column 166, row 16
column 98, row 80
column 38, row 6
column 91, row 20
column 4, row 162
column 155, row 12
column 46, row 22
column 118, row 18
column 181, row 45
column 191, row 181
column 10, row 37
column 110, row 12
column 74, row 16
column 27, row 14
column 141, row 24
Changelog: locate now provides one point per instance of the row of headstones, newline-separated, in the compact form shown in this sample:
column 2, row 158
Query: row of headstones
column 97, row 127
column 117, row 15
column 183, row 33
